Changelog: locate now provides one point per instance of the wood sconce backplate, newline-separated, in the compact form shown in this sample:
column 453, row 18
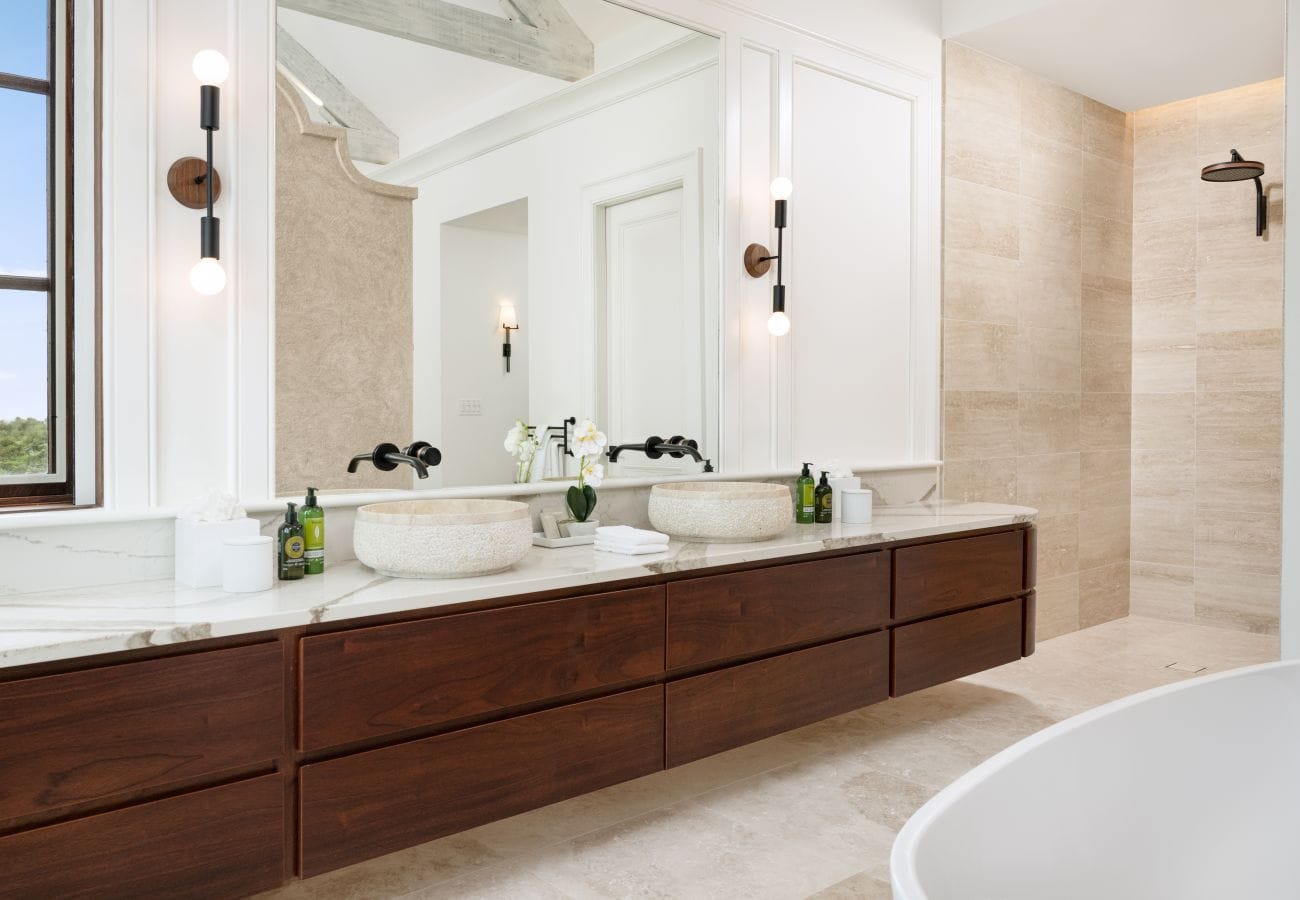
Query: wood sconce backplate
column 755, row 262
column 185, row 179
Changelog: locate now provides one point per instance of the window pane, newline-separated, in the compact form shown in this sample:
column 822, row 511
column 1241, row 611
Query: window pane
column 24, row 177
column 25, row 37
column 24, row 383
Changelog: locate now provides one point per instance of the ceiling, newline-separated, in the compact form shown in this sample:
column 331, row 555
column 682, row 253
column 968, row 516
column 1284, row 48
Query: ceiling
column 1129, row 54
column 424, row 94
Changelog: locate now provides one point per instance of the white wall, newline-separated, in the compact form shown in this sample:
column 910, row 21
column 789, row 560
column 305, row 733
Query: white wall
column 187, row 380
column 482, row 268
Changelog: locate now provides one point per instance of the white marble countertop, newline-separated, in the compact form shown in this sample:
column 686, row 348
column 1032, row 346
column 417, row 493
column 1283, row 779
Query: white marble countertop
column 54, row 625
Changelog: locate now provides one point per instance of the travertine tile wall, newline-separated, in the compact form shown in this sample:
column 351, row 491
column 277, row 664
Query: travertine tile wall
column 1036, row 316
column 1207, row 363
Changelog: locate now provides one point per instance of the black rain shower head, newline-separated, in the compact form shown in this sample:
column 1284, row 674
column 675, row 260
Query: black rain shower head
column 1238, row 169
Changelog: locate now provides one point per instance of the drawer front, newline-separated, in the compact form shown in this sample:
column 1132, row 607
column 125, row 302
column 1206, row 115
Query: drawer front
column 361, row 806
column 222, row 842
column 121, row 731
column 710, row 713
column 935, row 578
column 939, row 650
column 728, row 616
column 376, row 681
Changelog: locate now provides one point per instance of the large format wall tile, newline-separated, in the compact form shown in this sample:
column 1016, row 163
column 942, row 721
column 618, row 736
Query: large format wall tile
column 1207, row 363
column 1056, row 282
column 979, row 357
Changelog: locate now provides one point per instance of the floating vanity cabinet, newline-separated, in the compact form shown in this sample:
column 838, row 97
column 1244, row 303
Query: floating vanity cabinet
column 223, row 768
column 950, row 647
column 367, row 804
column 217, row 843
column 370, row 682
column 723, row 617
column 117, row 732
column 949, row 575
column 706, row 714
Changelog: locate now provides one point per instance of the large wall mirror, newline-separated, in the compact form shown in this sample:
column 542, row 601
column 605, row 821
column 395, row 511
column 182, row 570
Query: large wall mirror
column 542, row 172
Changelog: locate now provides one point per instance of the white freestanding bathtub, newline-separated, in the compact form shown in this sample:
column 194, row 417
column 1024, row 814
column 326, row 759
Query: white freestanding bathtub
column 1185, row 792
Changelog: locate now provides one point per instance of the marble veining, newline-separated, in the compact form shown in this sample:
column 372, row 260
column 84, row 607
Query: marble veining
column 53, row 625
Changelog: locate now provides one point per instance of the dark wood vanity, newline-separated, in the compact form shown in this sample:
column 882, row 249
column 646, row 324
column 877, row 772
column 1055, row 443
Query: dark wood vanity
column 226, row 767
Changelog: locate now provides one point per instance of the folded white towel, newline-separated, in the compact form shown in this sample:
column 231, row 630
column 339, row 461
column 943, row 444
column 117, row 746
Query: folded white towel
column 630, row 549
column 626, row 534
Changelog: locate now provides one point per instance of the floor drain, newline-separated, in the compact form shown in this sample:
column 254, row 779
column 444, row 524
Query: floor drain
column 1190, row 668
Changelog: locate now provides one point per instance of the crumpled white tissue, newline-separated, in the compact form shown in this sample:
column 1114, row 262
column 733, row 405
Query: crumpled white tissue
column 213, row 506
column 837, row 469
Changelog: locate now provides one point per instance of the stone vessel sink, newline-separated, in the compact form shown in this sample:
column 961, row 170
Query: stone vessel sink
column 721, row 511
column 442, row 538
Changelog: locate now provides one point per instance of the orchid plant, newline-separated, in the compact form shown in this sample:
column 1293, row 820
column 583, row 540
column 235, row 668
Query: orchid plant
column 522, row 445
column 589, row 447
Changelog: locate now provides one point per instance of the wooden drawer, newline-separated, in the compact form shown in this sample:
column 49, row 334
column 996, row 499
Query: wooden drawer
column 939, row 650
column 222, row 842
column 710, row 713
column 727, row 616
column 371, row 803
column 936, row 578
column 376, row 681
column 122, row 731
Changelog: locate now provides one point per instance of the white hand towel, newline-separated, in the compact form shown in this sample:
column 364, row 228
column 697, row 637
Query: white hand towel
column 630, row 550
column 626, row 534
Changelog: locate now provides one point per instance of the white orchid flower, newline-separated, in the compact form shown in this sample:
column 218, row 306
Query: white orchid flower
column 587, row 440
column 516, row 437
column 593, row 474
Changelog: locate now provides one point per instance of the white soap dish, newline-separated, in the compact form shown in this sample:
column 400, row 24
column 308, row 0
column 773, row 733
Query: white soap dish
column 541, row 540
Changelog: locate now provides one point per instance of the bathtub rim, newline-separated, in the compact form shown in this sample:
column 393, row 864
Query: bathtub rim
column 903, row 878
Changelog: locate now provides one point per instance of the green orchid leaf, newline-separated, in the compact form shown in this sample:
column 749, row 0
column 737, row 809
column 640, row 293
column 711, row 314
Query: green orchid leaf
column 577, row 502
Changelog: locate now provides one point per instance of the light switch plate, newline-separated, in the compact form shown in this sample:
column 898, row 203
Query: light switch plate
column 471, row 407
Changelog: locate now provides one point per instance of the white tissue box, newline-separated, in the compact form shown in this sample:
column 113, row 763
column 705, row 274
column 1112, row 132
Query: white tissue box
column 199, row 548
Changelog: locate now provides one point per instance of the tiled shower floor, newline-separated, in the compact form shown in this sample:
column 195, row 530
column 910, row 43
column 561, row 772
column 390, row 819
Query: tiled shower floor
column 808, row 813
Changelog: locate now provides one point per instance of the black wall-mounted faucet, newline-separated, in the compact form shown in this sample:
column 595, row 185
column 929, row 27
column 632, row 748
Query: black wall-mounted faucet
column 420, row 456
column 656, row 447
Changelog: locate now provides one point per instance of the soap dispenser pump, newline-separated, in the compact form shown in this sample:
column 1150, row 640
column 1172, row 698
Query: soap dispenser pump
column 805, row 504
column 292, row 549
column 823, row 496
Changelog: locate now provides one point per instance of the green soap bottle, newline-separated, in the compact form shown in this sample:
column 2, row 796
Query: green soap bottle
column 292, row 555
column 823, row 496
column 313, row 533
column 805, row 499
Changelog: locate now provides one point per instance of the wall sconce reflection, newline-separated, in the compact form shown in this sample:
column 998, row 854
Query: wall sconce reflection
column 196, row 184
column 509, row 323
column 758, row 260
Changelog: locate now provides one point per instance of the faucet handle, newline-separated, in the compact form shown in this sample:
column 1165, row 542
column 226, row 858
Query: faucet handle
column 652, row 445
column 377, row 457
column 425, row 453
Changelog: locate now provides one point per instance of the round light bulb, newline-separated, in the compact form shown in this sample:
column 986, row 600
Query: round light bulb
column 782, row 188
column 778, row 324
column 210, row 67
column 207, row 277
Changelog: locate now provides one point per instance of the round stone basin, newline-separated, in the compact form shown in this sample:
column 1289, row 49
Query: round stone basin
column 442, row 538
column 721, row 511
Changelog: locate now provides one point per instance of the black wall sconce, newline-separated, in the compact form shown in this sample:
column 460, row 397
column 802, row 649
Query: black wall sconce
column 509, row 323
column 758, row 259
column 1238, row 169
column 195, row 183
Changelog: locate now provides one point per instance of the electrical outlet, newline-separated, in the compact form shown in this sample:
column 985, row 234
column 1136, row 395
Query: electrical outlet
column 471, row 407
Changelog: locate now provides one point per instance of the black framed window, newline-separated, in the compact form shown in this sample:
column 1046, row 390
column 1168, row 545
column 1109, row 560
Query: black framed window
column 36, row 458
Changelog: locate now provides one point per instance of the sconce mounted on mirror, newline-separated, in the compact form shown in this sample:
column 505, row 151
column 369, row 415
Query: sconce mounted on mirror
column 195, row 183
column 758, row 260
column 509, row 323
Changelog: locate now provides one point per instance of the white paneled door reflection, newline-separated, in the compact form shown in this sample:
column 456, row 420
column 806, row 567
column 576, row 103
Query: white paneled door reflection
column 650, row 316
